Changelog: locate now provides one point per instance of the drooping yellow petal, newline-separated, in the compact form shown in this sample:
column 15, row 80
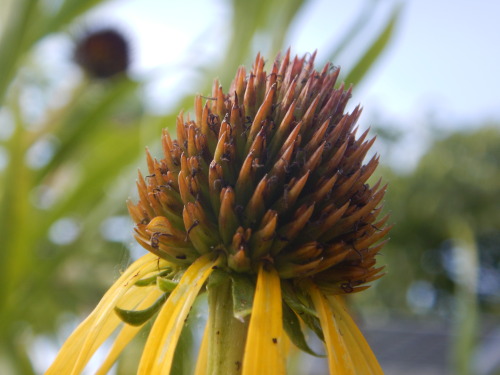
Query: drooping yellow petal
column 93, row 331
column 355, row 339
column 264, row 349
column 162, row 340
column 202, row 363
column 128, row 332
column 339, row 359
column 111, row 321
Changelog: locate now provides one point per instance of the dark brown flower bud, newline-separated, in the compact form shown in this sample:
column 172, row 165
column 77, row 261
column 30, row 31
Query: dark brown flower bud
column 103, row 54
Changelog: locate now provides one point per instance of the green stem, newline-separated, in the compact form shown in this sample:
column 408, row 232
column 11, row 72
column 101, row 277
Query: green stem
column 227, row 335
column 466, row 314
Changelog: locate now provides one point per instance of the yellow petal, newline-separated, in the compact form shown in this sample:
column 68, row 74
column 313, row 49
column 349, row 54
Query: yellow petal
column 353, row 336
column 93, row 331
column 128, row 332
column 264, row 348
column 202, row 363
column 339, row 359
column 162, row 340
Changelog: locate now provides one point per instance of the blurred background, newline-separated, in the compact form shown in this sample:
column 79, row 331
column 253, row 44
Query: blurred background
column 85, row 85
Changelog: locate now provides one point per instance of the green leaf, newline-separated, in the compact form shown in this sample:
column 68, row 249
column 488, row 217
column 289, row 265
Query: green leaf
column 292, row 327
column 166, row 285
column 152, row 280
column 302, row 307
column 139, row 317
column 373, row 53
column 291, row 298
column 243, row 290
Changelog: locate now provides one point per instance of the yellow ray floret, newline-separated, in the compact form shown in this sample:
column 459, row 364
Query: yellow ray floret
column 127, row 333
column 162, row 340
column 339, row 359
column 361, row 353
column 99, row 325
column 264, row 349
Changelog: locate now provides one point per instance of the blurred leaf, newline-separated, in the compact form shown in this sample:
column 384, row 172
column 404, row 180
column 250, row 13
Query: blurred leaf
column 16, row 221
column 17, row 358
column 30, row 21
column 264, row 21
column 279, row 20
column 374, row 51
column 13, row 42
column 82, row 123
column 466, row 307
column 356, row 27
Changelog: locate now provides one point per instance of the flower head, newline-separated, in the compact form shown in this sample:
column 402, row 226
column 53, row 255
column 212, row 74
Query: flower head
column 271, row 171
column 103, row 53
column 265, row 195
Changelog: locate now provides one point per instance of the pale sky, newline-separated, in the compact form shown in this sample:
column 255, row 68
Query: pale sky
column 443, row 62
column 444, row 51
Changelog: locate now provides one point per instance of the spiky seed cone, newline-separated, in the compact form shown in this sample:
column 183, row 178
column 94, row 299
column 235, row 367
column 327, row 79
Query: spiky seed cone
column 273, row 170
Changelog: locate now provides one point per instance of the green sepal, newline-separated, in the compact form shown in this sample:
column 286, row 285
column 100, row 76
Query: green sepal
column 217, row 277
column 301, row 305
column 291, row 324
column 152, row 279
column 139, row 317
column 314, row 324
column 294, row 301
column 166, row 285
column 243, row 290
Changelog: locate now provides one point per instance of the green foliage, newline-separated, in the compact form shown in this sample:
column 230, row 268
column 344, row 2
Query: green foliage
column 456, row 183
column 446, row 236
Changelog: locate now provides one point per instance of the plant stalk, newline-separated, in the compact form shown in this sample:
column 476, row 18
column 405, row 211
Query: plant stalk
column 227, row 335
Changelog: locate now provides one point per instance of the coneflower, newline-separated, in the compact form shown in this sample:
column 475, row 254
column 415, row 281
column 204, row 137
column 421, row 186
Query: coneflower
column 262, row 201
column 103, row 53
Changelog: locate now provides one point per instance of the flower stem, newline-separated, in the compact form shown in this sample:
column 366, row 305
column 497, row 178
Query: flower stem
column 227, row 335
